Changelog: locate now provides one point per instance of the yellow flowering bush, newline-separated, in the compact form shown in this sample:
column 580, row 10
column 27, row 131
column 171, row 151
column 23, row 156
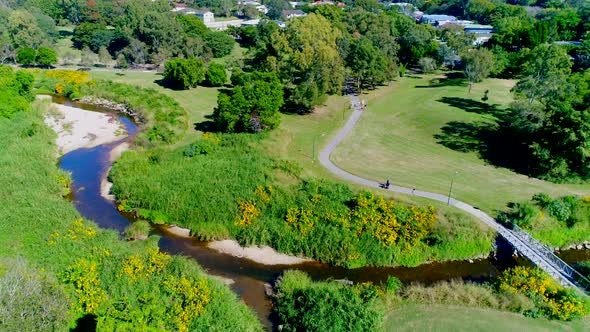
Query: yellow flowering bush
column 263, row 193
column 76, row 231
column 59, row 88
column 83, row 275
column 137, row 266
column 303, row 220
column 248, row 212
column 190, row 299
column 212, row 137
column 69, row 76
column 389, row 223
column 554, row 300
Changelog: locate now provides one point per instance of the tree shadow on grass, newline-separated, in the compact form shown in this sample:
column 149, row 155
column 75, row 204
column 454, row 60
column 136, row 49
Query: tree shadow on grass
column 495, row 143
column 450, row 79
column 167, row 84
column 207, row 126
column 474, row 106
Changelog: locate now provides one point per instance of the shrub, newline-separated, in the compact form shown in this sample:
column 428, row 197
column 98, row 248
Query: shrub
column 46, row 57
column 524, row 214
column 219, row 43
column 137, row 230
column 26, row 56
column 184, row 73
column 428, row 65
column 551, row 299
column 328, row 306
column 216, row 75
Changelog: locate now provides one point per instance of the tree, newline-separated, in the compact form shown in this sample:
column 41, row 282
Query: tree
column 88, row 57
column 121, row 61
column 30, row 300
column 252, row 105
column 26, row 56
column 24, row 31
column 220, row 43
column 545, row 73
column 46, row 57
column 192, row 25
column 276, row 7
column 428, row 65
column 104, row 56
column 216, row 75
column 307, row 59
column 477, row 65
column 367, row 63
column 184, row 73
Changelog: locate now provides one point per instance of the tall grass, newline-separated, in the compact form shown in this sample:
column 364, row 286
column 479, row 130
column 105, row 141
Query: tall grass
column 40, row 225
column 166, row 120
column 211, row 191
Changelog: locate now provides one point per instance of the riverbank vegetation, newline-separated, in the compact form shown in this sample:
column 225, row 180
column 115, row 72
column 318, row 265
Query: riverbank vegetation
column 225, row 186
column 517, row 293
column 88, row 276
column 557, row 222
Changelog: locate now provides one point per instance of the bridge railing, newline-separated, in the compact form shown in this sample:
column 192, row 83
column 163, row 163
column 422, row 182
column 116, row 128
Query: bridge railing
column 575, row 276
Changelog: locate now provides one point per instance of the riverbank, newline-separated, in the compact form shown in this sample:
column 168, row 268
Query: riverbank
column 77, row 128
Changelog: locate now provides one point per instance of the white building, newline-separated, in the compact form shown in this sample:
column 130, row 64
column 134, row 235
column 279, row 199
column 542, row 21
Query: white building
column 288, row 14
column 205, row 15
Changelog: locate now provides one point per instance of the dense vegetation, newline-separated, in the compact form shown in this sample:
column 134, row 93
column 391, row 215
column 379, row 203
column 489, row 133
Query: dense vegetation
column 301, row 304
column 57, row 267
column 557, row 222
column 224, row 187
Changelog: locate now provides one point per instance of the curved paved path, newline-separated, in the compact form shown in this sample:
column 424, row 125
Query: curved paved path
column 522, row 245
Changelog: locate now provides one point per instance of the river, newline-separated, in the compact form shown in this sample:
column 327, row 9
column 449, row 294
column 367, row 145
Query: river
column 88, row 167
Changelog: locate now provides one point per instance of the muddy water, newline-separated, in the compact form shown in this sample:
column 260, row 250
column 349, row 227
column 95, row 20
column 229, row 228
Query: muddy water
column 89, row 166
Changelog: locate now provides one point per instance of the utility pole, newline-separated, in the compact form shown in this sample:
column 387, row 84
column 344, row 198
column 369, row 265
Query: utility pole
column 451, row 187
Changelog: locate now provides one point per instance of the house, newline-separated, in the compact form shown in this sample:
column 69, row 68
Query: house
column 262, row 8
column 479, row 29
column 437, row 20
column 205, row 15
column 288, row 14
column 482, row 33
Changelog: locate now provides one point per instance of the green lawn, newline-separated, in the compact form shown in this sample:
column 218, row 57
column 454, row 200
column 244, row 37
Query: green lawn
column 441, row 318
column 297, row 139
column 198, row 102
column 395, row 139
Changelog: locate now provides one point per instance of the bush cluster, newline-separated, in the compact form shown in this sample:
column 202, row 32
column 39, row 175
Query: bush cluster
column 302, row 305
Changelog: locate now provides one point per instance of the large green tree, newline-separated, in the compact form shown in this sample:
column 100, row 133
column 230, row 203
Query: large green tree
column 545, row 73
column 367, row 64
column 307, row 59
column 26, row 56
column 46, row 57
column 252, row 105
column 184, row 73
column 477, row 65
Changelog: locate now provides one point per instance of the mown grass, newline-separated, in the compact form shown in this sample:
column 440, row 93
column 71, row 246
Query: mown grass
column 395, row 139
column 441, row 318
column 41, row 226
column 198, row 102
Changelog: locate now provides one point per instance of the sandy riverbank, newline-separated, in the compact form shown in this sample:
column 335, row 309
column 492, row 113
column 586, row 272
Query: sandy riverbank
column 263, row 254
column 77, row 128
column 105, row 185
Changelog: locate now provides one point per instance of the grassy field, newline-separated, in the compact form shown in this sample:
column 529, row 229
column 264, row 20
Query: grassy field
column 298, row 138
column 450, row 318
column 395, row 139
